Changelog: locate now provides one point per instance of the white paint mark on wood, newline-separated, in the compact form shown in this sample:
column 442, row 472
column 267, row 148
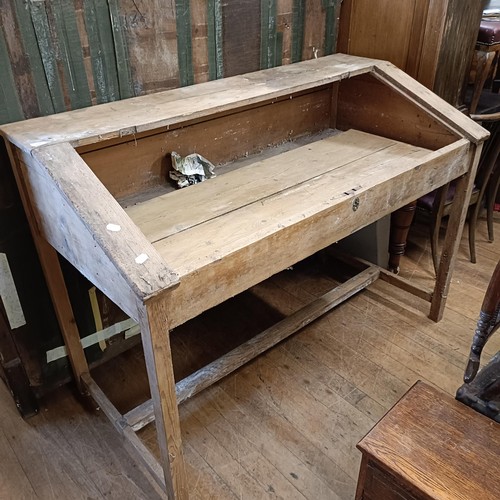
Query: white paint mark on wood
column 140, row 259
column 114, row 228
column 9, row 295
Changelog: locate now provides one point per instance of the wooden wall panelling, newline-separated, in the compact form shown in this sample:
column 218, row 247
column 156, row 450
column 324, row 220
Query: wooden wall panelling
column 284, row 25
column 152, row 44
column 199, row 32
column 434, row 25
column 241, row 36
column 457, row 49
column 110, row 77
column 12, row 49
column 314, row 29
column 10, row 106
column 432, row 40
column 68, row 54
column 373, row 35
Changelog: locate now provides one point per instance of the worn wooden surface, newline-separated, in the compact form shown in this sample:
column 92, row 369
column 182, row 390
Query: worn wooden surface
column 130, row 119
column 157, row 275
column 272, row 203
column 434, row 447
column 284, row 425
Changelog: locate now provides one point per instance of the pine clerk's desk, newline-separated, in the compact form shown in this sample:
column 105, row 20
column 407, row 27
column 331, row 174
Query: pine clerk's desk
column 325, row 147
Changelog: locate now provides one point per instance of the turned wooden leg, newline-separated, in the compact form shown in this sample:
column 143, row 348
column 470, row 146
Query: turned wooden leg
column 484, row 62
column 156, row 344
column 400, row 225
column 485, row 325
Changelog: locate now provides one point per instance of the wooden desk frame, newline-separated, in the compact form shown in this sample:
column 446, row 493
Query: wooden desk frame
column 70, row 212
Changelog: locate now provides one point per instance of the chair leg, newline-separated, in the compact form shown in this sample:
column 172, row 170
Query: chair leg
column 490, row 203
column 400, row 225
column 434, row 227
column 472, row 231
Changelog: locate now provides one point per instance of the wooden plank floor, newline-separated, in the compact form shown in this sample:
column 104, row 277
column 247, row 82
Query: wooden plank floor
column 284, row 426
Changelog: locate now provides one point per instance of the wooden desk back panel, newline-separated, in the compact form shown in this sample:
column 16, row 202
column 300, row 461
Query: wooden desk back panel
column 139, row 164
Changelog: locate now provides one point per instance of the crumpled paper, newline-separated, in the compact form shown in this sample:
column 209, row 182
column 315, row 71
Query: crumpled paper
column 190, row 169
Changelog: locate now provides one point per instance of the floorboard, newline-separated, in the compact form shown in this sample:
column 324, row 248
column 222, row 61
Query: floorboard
column 286, row 424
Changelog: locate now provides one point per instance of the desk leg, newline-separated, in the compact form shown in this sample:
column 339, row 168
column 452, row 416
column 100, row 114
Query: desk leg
column 54, row 278
column 156, row 344
column 453, row 235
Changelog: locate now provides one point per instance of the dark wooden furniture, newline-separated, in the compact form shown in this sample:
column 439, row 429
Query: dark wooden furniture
column 430, row 446
column 485, row 57
column 437, row 204
column 482, row 391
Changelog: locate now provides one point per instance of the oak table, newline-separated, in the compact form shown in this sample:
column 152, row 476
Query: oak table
column 430, row 446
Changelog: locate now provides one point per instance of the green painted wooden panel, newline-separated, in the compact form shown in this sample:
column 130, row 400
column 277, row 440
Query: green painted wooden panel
column 298, row 24
column 48, row 54
column 215, row 43
column 332, row 8
column 184, row 42
column 71, row 56
column 30, row 44
column 10, row 107
column 102, row 53
column 121, row 51
column 268, row 34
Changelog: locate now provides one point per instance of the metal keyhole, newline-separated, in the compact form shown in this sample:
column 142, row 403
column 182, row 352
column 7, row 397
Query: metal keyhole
column 355, row 204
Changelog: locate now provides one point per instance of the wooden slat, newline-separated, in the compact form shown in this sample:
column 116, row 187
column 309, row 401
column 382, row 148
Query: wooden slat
column 184, row 42
column 199, row 30
column 29, row 41
column 104, row 67
column 385, row 275
column 70, row 49
column 10, row 107
column 18, row 61
column 150, row 31
column 215, row 371
column 47, row 53
column 314, row 29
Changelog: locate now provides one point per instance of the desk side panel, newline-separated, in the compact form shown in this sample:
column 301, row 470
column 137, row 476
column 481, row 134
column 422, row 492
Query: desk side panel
column 84, row 223
column 429, row 102
column 367, row 104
